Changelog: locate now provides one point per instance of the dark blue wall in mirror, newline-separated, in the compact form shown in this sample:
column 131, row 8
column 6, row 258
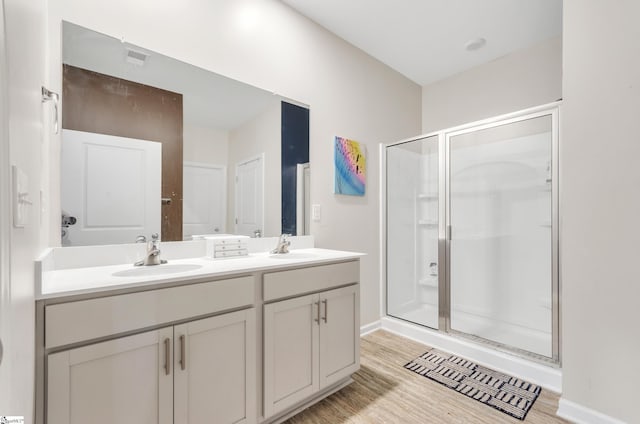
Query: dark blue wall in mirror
column 295, row 150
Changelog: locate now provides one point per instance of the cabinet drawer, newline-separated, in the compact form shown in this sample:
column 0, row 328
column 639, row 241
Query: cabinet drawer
column 278, row 285
column 74, row 322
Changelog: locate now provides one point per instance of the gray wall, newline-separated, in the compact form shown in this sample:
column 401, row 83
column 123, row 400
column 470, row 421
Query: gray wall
column 267, row 44
column 29, row 126
column 600, row 183
column 526, row 78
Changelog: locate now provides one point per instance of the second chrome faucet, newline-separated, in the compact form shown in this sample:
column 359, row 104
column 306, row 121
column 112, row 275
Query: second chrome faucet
column 283, row 244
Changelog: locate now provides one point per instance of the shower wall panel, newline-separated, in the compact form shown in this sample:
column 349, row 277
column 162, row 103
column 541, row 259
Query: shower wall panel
column 412, row 231
column 403, row 166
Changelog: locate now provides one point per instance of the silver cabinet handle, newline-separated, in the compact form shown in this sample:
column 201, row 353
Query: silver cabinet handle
column 167, row 356
column 317, row 319
column 183, row 358
column 326, row 310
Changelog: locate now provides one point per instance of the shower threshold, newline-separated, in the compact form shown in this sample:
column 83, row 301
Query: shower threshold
column 485, row 329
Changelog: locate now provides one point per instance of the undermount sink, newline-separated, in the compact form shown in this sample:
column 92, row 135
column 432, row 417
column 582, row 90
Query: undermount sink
column 292, row 255
column 144, row 271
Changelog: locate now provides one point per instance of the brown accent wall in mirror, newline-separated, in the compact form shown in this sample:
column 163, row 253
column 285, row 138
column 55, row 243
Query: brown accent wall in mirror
column 99, row 103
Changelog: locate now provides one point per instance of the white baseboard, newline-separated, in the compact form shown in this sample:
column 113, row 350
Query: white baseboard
column 546, row 376
column 577, row 413
column 370, row 328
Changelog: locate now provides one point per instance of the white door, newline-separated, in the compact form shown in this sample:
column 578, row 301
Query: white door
column 126, row 380
column 249, row 209
column 204, row 199
column 290, row 352
column 111, row 185
column 215, row 369
column 339, row 334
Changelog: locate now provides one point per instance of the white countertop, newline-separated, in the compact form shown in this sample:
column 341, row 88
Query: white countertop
column 77, row 281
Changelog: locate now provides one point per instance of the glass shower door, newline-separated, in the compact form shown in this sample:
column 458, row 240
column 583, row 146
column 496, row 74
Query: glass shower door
column 500, row 249
column 412, row 231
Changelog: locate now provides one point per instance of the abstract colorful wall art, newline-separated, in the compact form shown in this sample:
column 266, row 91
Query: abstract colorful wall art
column 351, row 167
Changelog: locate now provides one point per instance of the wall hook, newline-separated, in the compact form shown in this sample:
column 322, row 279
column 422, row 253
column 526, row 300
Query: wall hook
column 48, row 96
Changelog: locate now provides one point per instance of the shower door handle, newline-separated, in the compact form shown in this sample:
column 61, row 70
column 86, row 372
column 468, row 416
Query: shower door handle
column 448, row 237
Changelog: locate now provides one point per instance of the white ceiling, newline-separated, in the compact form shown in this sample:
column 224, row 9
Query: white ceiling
column 425, row 39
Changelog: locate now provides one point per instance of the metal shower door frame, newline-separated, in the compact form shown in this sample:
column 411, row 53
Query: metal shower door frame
column 444, row 225
column 445, row 230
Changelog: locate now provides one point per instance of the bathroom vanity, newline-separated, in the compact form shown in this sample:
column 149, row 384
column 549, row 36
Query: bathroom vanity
column 243, row 340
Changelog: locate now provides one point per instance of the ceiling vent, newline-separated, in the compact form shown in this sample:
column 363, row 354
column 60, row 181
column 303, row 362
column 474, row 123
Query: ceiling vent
column 136, row 57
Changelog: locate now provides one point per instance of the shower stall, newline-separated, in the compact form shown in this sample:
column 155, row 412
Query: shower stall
column 472, row 232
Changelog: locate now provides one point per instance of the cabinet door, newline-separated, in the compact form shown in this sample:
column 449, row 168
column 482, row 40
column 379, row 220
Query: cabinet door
column 126, row 380
column 215, row 369
column 339, row 334
column 290, row 352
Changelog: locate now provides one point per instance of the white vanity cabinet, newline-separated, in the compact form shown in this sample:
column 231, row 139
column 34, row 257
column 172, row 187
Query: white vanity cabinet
column 339, row 334
column 291, row 354
column 188, row 373
column 242, row 347
column 311, row 342
column 215, row 369
column 121, row 380
column 196, row 371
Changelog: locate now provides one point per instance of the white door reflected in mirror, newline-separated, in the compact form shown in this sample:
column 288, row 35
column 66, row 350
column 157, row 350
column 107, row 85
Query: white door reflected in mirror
column 110, row 207
column 250, row 196
column 204, row 199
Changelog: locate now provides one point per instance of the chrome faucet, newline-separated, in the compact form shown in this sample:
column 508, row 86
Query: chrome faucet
column 153, row 251
column 283, row 244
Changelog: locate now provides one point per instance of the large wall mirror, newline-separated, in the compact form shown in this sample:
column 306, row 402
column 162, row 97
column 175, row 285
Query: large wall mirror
column 151, row 144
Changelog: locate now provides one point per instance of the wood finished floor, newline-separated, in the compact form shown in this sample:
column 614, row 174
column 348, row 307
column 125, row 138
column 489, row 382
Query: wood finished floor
column 384, row 392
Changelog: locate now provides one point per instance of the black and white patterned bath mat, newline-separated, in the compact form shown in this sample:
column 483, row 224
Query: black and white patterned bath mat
column 503, row 392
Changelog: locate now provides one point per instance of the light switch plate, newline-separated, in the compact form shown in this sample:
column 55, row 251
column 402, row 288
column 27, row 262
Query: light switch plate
column 316, row 212
column 20, row 197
